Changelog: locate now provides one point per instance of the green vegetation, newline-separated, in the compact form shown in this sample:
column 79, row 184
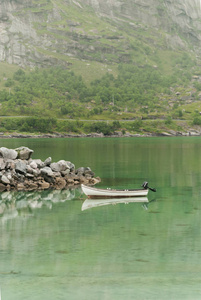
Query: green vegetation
column 58, row 92
column 47, row 99
column 35, row 125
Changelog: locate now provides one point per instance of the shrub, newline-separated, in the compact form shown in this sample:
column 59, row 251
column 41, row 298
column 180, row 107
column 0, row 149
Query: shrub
column 99, row 127
column 168, row 120
column 197, row 120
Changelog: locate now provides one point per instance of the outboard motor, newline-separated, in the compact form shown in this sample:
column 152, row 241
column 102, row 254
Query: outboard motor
column 145, row 185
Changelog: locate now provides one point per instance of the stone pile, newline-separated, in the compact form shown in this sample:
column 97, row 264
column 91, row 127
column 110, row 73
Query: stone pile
column 18, row 171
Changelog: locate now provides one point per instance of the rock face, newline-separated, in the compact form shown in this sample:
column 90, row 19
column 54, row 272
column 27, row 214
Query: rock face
column 28, row 29
column 165, row 15
column 18, row 171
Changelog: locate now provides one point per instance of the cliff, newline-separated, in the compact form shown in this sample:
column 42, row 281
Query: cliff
column 49, row 32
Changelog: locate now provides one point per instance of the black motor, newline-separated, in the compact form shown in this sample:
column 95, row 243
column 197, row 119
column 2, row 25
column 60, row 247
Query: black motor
column 145, row 185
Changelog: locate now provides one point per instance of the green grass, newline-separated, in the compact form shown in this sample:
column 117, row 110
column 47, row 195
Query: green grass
column 6, row 71
column 89, row 70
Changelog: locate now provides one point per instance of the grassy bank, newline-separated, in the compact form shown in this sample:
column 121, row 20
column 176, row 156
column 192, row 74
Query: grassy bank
column 34, row 125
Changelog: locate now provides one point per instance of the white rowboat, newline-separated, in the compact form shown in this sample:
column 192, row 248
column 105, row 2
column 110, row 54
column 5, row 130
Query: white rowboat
column 93, row 192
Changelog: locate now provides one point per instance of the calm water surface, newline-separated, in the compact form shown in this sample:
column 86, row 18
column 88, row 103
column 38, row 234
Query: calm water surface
column 51, row 249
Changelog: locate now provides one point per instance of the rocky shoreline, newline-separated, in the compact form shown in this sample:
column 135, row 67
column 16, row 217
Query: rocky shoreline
column 191, row 132
column 18, row 171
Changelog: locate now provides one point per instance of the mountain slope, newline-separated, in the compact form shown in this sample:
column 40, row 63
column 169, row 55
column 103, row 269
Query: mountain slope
column 49, row 32
column 138, row 59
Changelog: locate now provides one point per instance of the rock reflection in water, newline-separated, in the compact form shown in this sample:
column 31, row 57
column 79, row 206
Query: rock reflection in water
column 15, row 204
column 90, row 203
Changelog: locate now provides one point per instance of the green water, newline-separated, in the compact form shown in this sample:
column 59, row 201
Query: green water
column 51, row 249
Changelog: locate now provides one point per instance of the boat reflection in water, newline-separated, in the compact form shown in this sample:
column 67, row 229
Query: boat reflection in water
column 22, row 204
column 90, row 203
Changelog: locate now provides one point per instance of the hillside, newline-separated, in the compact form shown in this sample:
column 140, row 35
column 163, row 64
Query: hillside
column 49, row 32
column 136, row 59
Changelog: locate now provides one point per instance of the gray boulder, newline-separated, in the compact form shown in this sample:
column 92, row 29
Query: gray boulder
column 36, row 172
column 80, row 171
column 61, row 166
column 66, row 172
column 5, row 180
column 10, row 164
column 2, row 164
column 24, row 152
column 33, row 165
column 29, row 175
column 88, row 172
column 40, row 164
column 71, row 166
column 9, row 176
column 47, row 171
column 55, row 167
column 48, row 161
column 8, row 153
column 84, row 171
column 21, row 167
column 29, row 169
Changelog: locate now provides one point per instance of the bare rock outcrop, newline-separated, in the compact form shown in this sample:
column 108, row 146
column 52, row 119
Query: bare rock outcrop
column 26, row 37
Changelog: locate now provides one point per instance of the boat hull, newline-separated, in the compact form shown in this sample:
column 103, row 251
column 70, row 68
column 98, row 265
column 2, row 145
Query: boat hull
column 95, row 193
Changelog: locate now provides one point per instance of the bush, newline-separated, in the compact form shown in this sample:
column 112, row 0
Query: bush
column 9, row 83
column 68, row 126
column 197, row 120
column 135, row 125
column 116, row 125
column 99, row 127
column 32, row 124
column 168, row 120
